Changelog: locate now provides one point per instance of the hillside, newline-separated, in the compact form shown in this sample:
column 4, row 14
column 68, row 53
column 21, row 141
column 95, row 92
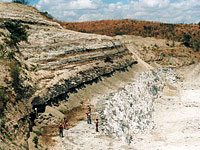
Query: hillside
column 186, row 33
column 41, row 64
column 139, row 87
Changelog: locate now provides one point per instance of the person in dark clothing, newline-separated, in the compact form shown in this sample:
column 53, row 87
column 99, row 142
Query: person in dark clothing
column 97, row 125
column 89, row 108
column 61, row 130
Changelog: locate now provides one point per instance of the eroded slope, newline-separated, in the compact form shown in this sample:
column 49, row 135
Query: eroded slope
column 53, row 62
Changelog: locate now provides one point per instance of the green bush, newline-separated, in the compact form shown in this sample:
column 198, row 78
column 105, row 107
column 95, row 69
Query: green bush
column 9, row 138
column 63, row 111
column 3, row 123
column 17, row 33
column 35, row 141
column 38, row 133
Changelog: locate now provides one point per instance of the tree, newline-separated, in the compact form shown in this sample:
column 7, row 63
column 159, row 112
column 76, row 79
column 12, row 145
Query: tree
column 199, row 24
column 46, row 14
column 25, row 2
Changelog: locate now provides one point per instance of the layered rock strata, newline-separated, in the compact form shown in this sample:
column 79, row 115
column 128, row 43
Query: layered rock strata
column 54, row 62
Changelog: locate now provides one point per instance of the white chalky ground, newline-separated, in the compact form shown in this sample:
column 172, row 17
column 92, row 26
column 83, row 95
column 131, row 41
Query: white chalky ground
column 177, row 127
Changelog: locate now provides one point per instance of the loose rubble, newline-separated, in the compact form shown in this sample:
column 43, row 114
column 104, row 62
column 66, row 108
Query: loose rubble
column 129, row 111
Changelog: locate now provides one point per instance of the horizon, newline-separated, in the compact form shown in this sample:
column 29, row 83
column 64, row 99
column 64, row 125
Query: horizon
column 163, row 11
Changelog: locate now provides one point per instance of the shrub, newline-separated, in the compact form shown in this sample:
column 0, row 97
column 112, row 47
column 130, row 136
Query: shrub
column 17, row 33
column 46, row 14
column 186, row 40
column 35, row 141
column 63, row 111
column 38, row 133
column 3, row 123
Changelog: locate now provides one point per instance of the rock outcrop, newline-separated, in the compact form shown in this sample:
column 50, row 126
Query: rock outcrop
column 53, row 62
column 129, row 111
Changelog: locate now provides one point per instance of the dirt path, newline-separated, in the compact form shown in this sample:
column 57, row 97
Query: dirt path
column 84, row 137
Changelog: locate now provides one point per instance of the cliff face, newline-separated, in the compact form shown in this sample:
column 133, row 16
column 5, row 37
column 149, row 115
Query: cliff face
column 54, row 62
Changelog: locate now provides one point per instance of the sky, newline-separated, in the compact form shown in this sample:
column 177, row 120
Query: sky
column 167, row 11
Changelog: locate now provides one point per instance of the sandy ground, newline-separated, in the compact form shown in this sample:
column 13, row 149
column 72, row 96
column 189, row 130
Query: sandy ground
column 177, row 123
column 84, row 137
column 177, row 127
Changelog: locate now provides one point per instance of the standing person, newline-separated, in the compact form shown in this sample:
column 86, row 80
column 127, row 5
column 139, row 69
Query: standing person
column 97, row 125
column 89, row 108
column 36, row 112
column 65, row 123
column 88, row 118
column 61, row 130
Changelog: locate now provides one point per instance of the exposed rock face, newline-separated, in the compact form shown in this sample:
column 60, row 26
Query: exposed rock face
column 129, row 111
column 54, row 62
column 60, row 59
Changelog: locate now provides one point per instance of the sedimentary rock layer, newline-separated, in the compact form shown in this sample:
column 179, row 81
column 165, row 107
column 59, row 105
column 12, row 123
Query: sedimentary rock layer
column 54, row 62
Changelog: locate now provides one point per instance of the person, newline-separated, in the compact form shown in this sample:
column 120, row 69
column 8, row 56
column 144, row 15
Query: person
column 61, row 130
column 89, row 108
column 97, row 125
column 65, row 123
column 36, row 113
column 88, row 118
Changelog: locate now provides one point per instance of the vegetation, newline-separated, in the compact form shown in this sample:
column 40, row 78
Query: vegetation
column 3, row 100
column 38, row 133
column 24, row 2
column 17, row 33
column 46, row 14
column 3, row 123
column 35, row 141
column 186, row 33
column 63, row 111
column 15, row 74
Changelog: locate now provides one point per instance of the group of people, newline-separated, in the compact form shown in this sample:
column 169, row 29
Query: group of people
column 65, row 125
column 89, row 118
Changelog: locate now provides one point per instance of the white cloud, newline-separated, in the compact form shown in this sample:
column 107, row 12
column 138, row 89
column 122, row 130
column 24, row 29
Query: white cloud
column 179, row 11
column 154, row 3
column 82, row 4
column 5, row 0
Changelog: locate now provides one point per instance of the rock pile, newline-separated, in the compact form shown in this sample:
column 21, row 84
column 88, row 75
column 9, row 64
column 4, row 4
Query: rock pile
column 129, row 111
